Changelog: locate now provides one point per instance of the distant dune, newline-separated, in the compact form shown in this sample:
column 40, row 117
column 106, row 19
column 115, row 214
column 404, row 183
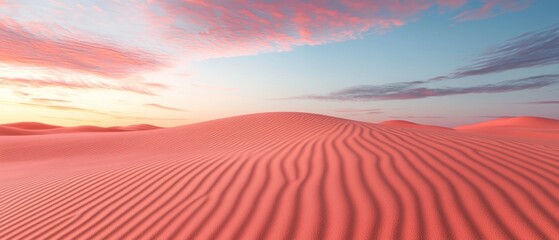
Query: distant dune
column 281, row 176
column 402, row 123
column 32, row 128
column 525, row 127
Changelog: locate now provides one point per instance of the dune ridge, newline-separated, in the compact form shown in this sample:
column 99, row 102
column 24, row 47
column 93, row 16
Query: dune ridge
column 278, row 176
column 30, row 125
column 408, row 124
column 33, row 128
column 523, row 126
column 522, row 121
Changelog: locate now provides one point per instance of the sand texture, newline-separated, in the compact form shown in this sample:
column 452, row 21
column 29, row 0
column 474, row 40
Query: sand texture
column 280, row 176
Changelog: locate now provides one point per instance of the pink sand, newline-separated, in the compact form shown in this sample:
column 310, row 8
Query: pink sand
column 278, row 176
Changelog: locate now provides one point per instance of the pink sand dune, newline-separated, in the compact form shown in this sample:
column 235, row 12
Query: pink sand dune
column 278, row 176
column 137, row 127
column 403, row 123
column 31, row 128
column 12, row 131
column 526, row 127
column 29, row 125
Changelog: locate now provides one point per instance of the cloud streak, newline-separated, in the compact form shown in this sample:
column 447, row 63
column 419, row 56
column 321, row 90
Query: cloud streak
column 155, row 105
column 528, row 50
column 49, row 100
column 64, row 108
column 20, row 93
column 233, row 28
column 20, row 46
column 84, row 110
column 140, row 88
column 399, row 91
column 491, row 8
column 534, row 49
column 544, row 102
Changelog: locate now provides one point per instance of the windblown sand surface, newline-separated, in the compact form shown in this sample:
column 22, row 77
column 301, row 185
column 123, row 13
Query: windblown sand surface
column 279, row 176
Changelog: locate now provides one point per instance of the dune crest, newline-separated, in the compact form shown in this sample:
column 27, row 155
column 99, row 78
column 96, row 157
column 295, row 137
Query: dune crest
column 278, row 176
column 29, row 125
column 523, row 121
column 524, row 127
column 33, row 128
column 403, row 123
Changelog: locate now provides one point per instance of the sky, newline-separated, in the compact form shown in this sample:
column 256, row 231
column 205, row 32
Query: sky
column 171, row 62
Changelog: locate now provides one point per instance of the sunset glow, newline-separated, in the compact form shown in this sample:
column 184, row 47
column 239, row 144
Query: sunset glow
column 174, row 62
column 279, row 119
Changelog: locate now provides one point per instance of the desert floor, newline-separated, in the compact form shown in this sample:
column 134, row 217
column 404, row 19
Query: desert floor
column 281, row 176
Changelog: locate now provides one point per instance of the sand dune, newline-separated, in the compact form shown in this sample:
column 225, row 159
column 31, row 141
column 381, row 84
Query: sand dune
column 524, row 127
column 408, row 124
column 278, row 176
column 30, row 125
column 524, row 121
column 32, row 128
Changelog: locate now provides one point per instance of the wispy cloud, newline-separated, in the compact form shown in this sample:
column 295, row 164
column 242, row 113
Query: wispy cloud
column 213, row 28
column 155, row 105
column 64, row 108
column 20, row 93
column 411, row 91
column 91, row 111
column 20, row 46
column 528, row 50
column 495, row 116
column 532, row 49
column 216, row 28
column 49, row 100
column 141, row 88
column 491, row 8
column 544, row 102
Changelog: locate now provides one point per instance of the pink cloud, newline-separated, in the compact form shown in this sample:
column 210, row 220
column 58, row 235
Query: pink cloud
column 211, row 28
column 232, row 28
column 20, row 46
column 7, row 4
column 49, row 100
column 155, row 105
column 452, row 3
column 20, row 93
column 491, row 8
column 215, row 28
column 141, row 88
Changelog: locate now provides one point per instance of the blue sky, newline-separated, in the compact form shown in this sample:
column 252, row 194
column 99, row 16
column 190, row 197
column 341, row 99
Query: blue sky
column 171, row 63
